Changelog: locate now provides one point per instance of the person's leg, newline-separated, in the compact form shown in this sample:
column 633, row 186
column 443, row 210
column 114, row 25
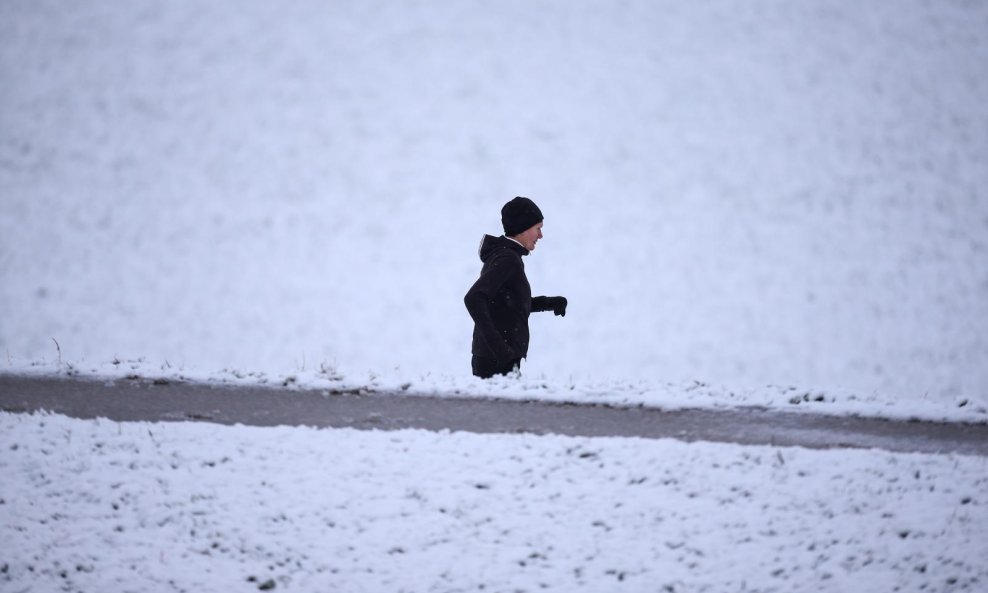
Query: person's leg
column 485, row 368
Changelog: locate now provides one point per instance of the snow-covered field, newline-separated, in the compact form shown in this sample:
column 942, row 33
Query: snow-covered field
column 105, row 506
column 771, row 193
column 760, row 203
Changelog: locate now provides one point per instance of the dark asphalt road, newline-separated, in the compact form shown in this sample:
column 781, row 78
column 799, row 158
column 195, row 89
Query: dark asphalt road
column 147, row 400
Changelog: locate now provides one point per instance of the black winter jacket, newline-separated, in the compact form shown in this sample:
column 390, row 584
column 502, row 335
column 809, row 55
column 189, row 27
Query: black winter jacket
column 500, row 301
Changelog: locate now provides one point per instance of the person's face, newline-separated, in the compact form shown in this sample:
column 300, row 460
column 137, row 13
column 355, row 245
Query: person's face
column 530, row 237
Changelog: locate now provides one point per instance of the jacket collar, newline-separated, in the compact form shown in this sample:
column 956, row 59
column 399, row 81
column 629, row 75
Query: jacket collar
column 489, row 244
column 517, row 243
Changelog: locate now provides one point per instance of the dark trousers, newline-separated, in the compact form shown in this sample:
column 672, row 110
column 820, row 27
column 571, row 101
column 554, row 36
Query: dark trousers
column 485, row 368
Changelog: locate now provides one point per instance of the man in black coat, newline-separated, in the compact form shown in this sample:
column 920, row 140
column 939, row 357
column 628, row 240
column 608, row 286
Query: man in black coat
column 501, row 299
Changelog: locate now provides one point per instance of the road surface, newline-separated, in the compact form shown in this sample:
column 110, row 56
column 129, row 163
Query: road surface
column 159, row 400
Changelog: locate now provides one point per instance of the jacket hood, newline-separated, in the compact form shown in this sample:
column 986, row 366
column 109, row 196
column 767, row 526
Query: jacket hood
column 491, row 246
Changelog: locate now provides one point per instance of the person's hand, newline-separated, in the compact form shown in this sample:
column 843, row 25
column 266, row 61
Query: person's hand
column 558, row 305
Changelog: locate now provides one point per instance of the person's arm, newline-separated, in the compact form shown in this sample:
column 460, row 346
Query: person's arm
column 556, row 304
column 477, row 301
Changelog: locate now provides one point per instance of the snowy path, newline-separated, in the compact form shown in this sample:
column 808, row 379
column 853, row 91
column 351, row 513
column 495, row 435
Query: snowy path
column 144, row 399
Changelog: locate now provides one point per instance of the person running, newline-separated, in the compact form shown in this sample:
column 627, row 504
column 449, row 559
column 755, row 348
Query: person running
column 501, row 300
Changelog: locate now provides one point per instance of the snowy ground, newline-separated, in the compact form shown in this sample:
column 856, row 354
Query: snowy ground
column 737, row 196
column 771, row 193
column 101, row 506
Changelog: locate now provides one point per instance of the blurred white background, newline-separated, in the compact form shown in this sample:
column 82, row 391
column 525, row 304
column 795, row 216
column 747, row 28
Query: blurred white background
column 751, row 193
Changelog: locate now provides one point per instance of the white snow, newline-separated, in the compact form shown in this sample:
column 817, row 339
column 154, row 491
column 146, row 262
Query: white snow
column 763, row 203
column 765, row 194
column 99, row 505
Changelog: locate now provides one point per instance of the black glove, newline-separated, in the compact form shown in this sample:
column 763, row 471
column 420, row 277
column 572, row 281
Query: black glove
column 558, row 305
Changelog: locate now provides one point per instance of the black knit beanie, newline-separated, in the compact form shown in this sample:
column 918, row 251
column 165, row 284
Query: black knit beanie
column 519, row 215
